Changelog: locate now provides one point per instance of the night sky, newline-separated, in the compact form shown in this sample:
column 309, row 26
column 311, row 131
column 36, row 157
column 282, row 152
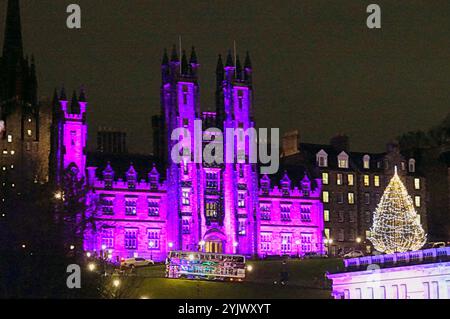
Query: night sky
column 317, row 67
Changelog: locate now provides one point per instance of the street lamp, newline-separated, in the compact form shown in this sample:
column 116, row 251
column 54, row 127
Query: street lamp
column 91, row 266
column 358, row 240
column 116, row 283
column 72, row 247
column 88, row 254
column 170, row 245
column 151, row 244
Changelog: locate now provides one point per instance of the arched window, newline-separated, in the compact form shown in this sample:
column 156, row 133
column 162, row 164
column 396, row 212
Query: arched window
column 412, row 165
column 366, row 161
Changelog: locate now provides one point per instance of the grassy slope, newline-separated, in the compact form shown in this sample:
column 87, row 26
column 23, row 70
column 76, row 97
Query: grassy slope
column 306, row 280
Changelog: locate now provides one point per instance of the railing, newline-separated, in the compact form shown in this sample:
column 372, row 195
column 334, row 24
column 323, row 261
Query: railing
column 400, row 259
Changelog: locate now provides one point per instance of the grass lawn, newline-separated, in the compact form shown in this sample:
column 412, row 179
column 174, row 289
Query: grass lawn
column 306, row 280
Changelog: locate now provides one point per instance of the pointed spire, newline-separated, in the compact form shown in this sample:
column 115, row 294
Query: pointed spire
column 193, row 59
column 238, row 68
column 82, row 97
column 62, row 95
column 174, row 56
column 229, row 59
column 165, row 58
column 219, row 68
column 184, row 63
column 248, row 62
column 74, row 106
column 12, row 47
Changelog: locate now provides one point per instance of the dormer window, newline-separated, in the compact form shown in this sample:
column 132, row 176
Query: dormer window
column 412, row 165
column 366, row 161
column 322, row 159
column 343, row 160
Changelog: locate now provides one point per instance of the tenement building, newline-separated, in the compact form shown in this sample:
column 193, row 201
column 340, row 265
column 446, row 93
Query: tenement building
column 352, row 185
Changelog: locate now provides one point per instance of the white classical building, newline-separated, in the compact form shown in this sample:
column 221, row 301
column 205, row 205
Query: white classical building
column 422, row 274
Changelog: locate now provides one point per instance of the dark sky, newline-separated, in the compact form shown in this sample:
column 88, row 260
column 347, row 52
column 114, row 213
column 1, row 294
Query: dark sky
column 317, row 67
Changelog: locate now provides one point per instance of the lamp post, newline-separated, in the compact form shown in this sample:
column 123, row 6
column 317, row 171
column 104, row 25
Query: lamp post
column 151, row 244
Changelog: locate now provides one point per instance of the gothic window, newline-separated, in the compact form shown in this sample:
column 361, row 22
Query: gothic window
column 130, row 206
column 211, row 181
column 153, row 238
column 285, row 212
column 241, row 200
column 153, row 208
column 107, row 204
column 185, row 198
column 265, row 211
column 185, row 227
column 240, row 98
column 131, row 238
column 286, row 243
column 266, row 242
column 305, row 215
column 306, row 241
column 211, row 209
column 108, row 237
column 185, row 94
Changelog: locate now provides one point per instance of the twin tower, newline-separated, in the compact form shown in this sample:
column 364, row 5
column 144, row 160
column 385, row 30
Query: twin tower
column 219, row 199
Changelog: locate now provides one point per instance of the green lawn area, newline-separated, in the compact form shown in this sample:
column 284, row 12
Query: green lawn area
column 306, row 280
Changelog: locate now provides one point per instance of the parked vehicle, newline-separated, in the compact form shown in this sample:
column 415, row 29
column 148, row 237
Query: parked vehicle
column 354, row 254
column 136, row 262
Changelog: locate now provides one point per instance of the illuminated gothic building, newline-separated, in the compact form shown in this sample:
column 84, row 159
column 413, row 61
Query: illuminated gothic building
column 227, row 208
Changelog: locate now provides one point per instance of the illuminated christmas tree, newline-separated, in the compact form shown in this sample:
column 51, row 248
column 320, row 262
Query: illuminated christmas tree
column 396, row 226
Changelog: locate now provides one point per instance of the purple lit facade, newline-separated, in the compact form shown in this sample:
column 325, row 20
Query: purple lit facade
column 223, row 208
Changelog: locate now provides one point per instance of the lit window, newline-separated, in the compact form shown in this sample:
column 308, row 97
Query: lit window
column 351, row 198
column 350, row 180
column 366, row 180
column 376, row 181
column 417, row 201
column 13, row 152
column 338, row 179
column 325, row 197
column 343, row 160
column 185, row 198
column 327, row 233
column 242, row 228
column 326, row 215
column 29, row 132
column 325, row 178
column 416, row 183
column 10, row 138
column 366, row 161
column 368, row 234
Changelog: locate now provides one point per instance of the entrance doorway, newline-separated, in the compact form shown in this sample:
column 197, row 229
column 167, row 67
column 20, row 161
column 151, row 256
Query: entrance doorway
column 214, row 246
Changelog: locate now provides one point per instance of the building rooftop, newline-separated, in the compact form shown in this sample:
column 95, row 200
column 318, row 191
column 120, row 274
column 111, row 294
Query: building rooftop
column 425, row 256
